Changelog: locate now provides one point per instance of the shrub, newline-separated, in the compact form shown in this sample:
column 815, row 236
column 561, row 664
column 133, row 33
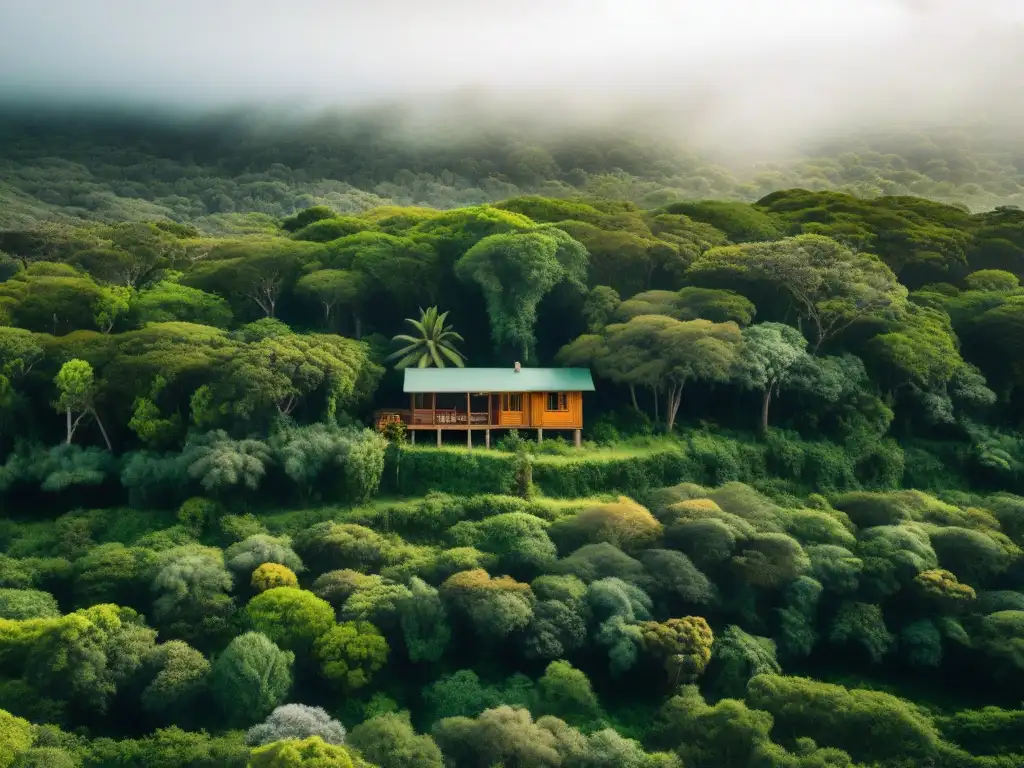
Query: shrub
column 329, row 546
column 197, row 514
column 251, row 677
column 174, row 692
column 769, row 560
column 973, row 556
column 290, row 753
column 453, row 471
column 989, row 730
column 270, row 575
column 624, row 524
column 350, row 653
column 736, row 658
column 815, row 527
column 15, row 738
column 495, row 607
column 565, row 692
column 862, row 624
column 520, row 540
column 27, row 604
column 337, row 586
column 296, row 721
column 235, row 528
column 292, row 618
column 245, row 556
column 999, row 600
column 389, row 741
column 870, row 725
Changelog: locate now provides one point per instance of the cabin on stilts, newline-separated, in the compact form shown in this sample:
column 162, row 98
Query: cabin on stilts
column 482, row 399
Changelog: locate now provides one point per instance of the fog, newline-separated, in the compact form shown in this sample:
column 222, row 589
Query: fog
column 756, row 74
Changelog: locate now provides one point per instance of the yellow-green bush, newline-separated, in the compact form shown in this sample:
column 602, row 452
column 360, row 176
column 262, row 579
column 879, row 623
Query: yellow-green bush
column 270, row 575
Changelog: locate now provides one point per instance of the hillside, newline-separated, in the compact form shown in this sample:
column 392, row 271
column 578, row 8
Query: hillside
column 792, row 537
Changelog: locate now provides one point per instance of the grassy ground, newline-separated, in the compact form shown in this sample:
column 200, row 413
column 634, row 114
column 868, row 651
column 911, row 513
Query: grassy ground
column 552, row 452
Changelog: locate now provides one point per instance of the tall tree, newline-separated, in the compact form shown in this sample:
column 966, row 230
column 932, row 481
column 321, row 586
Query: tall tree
column 771, row 354
column 828, row 284
column 432, row 344
column 77, row 387
column 515, row 271
column 334, row 287
column 666, row 354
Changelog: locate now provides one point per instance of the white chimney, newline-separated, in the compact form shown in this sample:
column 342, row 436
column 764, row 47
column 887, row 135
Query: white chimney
column 518, row 368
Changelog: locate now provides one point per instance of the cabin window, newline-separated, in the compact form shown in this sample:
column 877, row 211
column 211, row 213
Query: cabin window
column 421, row 401
column 557, row 401
column 511, row 401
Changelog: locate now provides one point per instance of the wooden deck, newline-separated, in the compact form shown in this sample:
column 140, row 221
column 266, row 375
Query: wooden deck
column 439, row 420
column 446, row 418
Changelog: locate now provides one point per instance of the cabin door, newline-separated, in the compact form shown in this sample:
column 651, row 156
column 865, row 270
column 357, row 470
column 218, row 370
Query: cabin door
column 512, row 409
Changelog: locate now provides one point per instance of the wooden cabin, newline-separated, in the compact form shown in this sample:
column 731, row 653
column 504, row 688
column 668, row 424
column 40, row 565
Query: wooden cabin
column 482, row 399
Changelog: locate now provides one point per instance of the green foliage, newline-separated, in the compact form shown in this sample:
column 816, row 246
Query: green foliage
column 494, row 607
column 327, row 229
column 27, row 604
column 519, row 540
column 840, row 717
column 433, row 344
column 424, row 622
column 690, row 303
column 565, row 692
column 829, row 285
column 330, row 461
column 741, row 223
column 198, row 514
column 862, row 624
column 170, row 747
column 84, row 656
column 15, row 738
column 306, row 217
column 293, row 618
column 736, row 658
column 179, row 684
column 330, row 546
column 515, row 271
column 350, row 653
column 202, row 359
column 389, row 741
column 170, row 301
column 624, row 524
column 706, row 736
column 191, row 596
column 270, row 575
column 251, row 677
column 295, row 753
column 683, row 645
column 245, row 556
column 221, row 464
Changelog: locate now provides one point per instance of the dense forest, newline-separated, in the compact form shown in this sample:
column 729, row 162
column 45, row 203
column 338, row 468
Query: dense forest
column 207, row 170
column 792, row 536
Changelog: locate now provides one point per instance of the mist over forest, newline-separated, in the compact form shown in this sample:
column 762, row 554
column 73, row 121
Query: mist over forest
column 454, row 103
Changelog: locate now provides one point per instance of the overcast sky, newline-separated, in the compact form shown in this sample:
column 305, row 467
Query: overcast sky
column 777, row 67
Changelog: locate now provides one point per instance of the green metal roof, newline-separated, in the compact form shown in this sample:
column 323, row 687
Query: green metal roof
column 498, row 380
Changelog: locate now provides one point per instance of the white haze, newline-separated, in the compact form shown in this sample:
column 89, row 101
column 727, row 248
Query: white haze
column 763, row 74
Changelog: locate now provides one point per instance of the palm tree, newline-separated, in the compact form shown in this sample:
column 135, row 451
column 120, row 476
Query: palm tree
column 431, row 345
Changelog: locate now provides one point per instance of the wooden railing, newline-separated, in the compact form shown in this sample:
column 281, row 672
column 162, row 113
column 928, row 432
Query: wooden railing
column 449, row 416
